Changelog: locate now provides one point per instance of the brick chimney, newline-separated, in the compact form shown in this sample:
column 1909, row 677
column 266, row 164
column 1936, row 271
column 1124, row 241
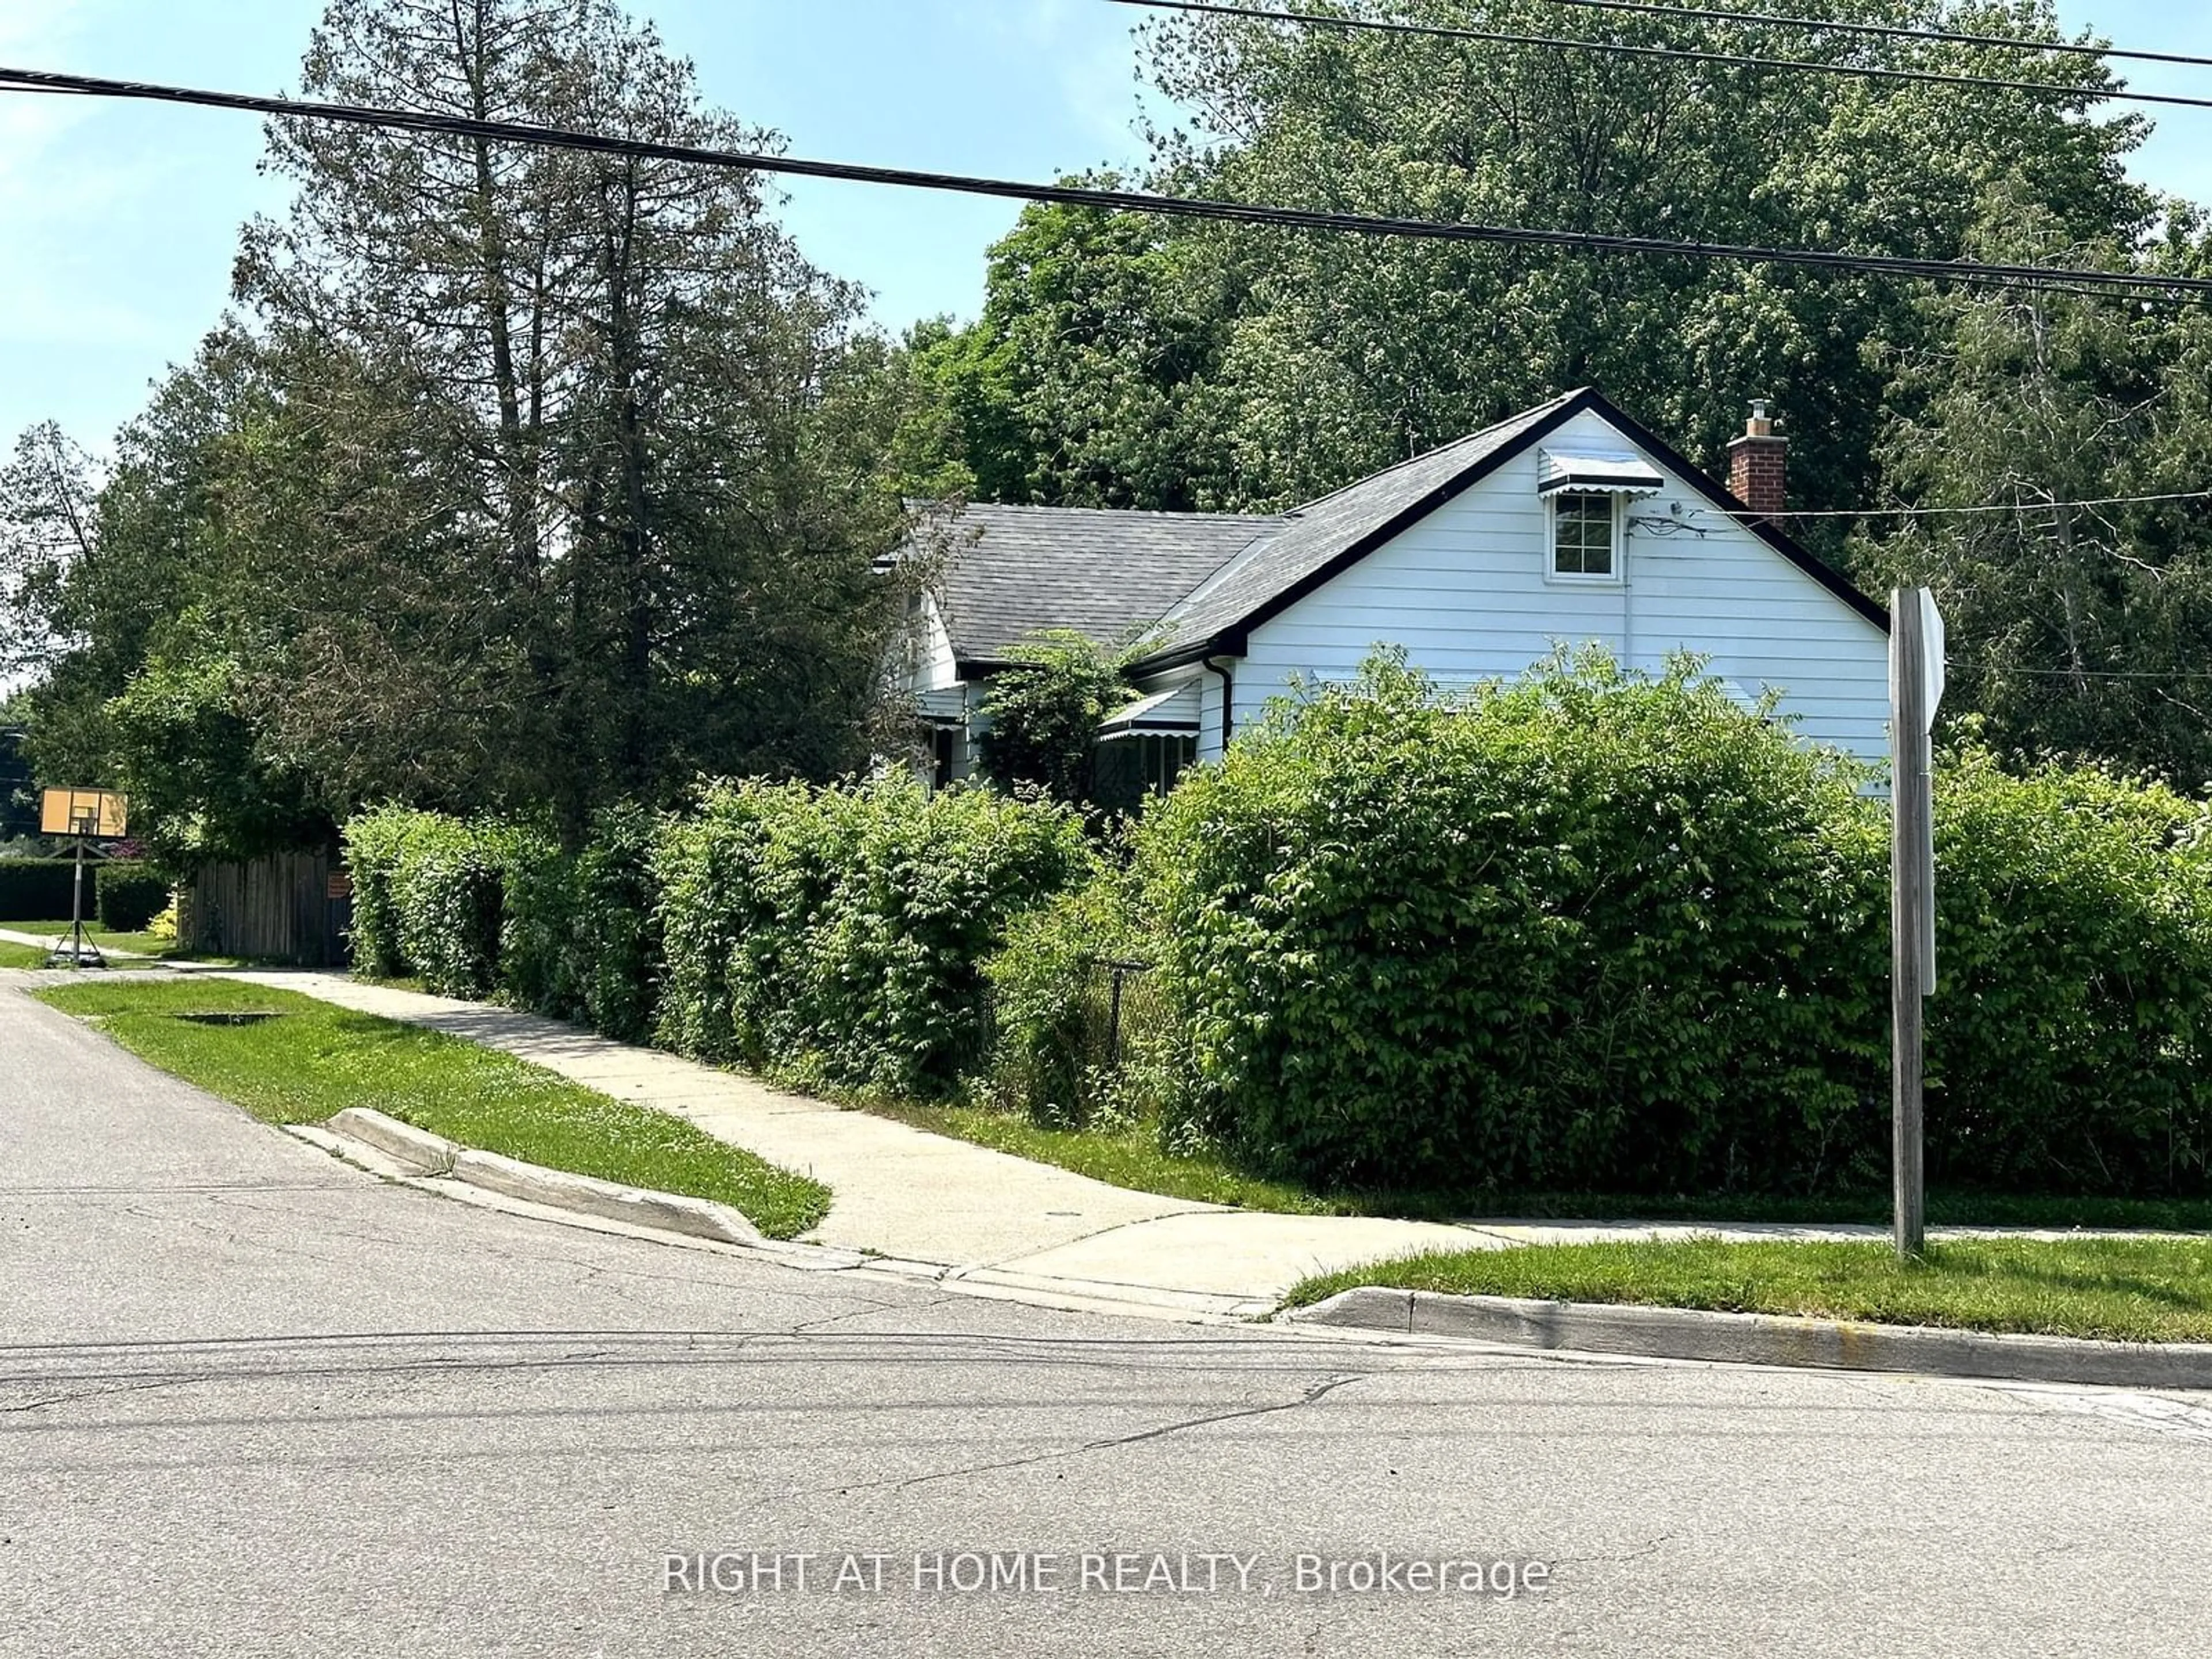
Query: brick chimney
column 1755, row 463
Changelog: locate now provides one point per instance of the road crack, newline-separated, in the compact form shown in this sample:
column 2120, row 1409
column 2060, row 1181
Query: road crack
column 901, row 1483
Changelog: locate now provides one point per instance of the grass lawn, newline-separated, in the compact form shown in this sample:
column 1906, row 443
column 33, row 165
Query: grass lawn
column 314, row 1059
column 2133, row 1290
column 1129, row 1158
column 145, row 943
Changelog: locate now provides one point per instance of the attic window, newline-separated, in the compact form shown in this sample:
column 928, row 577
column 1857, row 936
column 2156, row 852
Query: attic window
column 1585, row 536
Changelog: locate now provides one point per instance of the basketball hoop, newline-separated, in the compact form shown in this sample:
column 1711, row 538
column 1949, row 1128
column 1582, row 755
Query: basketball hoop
column 85, row 815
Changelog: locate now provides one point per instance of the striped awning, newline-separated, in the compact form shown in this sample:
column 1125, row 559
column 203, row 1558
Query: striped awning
column 1175, row 709
column 1622, row 475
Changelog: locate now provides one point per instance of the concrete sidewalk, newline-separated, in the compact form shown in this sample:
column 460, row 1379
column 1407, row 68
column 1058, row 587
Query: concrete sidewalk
column 952, row 1209
column 963, row 1211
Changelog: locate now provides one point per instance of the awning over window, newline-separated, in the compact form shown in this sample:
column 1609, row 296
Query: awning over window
column 1621, row 475
column 947, row 705
column 1175, row 709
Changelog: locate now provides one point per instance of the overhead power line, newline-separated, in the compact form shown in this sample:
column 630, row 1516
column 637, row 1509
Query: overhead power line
column 2166, row 674
column 1677, row 54
column 2056, row 278
column 1992, row 507
column 1889, row 31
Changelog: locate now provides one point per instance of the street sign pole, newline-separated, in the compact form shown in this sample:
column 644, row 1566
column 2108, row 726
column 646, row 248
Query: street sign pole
column 1916, row 685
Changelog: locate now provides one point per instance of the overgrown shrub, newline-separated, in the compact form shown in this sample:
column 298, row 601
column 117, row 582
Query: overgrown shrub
column 1044, row 707
column 36, row 889
column 1586, row 931
column 1591, row 931
column 838, row 934
column 374, row 842
column 428, row 897
column 537, row 962
column 1064, row 1049
column 131, row 896
column 2067, row 1036
column 707, row 865
column 581, row 936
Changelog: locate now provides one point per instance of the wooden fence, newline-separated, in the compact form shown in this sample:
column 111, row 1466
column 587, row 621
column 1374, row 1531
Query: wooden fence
column 278, row 908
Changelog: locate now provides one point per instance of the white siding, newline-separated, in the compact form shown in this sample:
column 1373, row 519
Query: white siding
column 929, row 666
column 1181, row 705
column 931, row 678
column 1208, row 682
column 1465, row 592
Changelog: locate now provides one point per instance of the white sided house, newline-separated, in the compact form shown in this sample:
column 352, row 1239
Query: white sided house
column 1570, row 524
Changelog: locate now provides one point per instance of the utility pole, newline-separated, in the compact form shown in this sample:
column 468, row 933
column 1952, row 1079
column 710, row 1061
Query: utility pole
column 1916, row 686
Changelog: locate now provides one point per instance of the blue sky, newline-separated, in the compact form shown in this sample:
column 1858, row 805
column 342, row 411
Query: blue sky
column 117, row 222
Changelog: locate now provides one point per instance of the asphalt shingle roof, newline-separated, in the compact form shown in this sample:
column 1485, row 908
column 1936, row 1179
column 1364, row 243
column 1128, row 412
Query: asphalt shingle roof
column 1104, row 572
column 1312, row 536
column 1195, row 577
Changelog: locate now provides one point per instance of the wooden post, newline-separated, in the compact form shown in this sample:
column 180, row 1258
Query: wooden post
column 1911, row 867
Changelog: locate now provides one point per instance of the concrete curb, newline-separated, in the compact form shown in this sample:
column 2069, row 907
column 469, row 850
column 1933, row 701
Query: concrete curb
column 402, row 1143
column 1764, row 1339
column 421, row 1152
column 696, row 1216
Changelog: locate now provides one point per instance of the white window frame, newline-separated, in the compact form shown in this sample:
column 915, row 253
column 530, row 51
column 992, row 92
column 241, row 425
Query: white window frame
column 1612, row 578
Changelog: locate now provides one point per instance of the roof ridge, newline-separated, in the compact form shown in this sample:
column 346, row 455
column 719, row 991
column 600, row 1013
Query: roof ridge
column 1212, row 515
column 1229, row 567
column 1534, row 412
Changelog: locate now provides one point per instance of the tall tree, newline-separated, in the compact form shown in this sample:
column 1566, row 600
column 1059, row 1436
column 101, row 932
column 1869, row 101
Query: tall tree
column 1089, row 378
column 1332, row 355
column 603, row 490
column 145, row 600
column 47, row 502
column 2043, row 428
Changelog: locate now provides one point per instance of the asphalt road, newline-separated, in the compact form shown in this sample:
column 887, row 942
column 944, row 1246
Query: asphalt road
column 254, row 1403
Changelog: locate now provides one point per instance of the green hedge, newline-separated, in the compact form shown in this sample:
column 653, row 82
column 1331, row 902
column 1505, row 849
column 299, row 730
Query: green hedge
column 835, row 935
column 1056, row 1018
column 839, row 933
column 429, row 897
column 582, row 935
column 36, row 889
column 130, row 895
column 1585, row 931
column 1588, row 931
column 2066, row 1037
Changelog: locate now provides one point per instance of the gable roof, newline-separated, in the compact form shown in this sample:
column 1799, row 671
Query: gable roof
column 1104, row 572
column 1207, row 579
column 1317, row 542
column 1314, row 539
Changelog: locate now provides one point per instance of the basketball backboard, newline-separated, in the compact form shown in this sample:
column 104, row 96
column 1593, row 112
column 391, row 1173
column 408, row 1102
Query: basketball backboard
column 99, row 813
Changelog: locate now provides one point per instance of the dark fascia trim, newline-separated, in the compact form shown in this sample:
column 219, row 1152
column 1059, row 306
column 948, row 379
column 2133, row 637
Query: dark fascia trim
column 1821, row 572
column 1231, row 641
column 1182, row 656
